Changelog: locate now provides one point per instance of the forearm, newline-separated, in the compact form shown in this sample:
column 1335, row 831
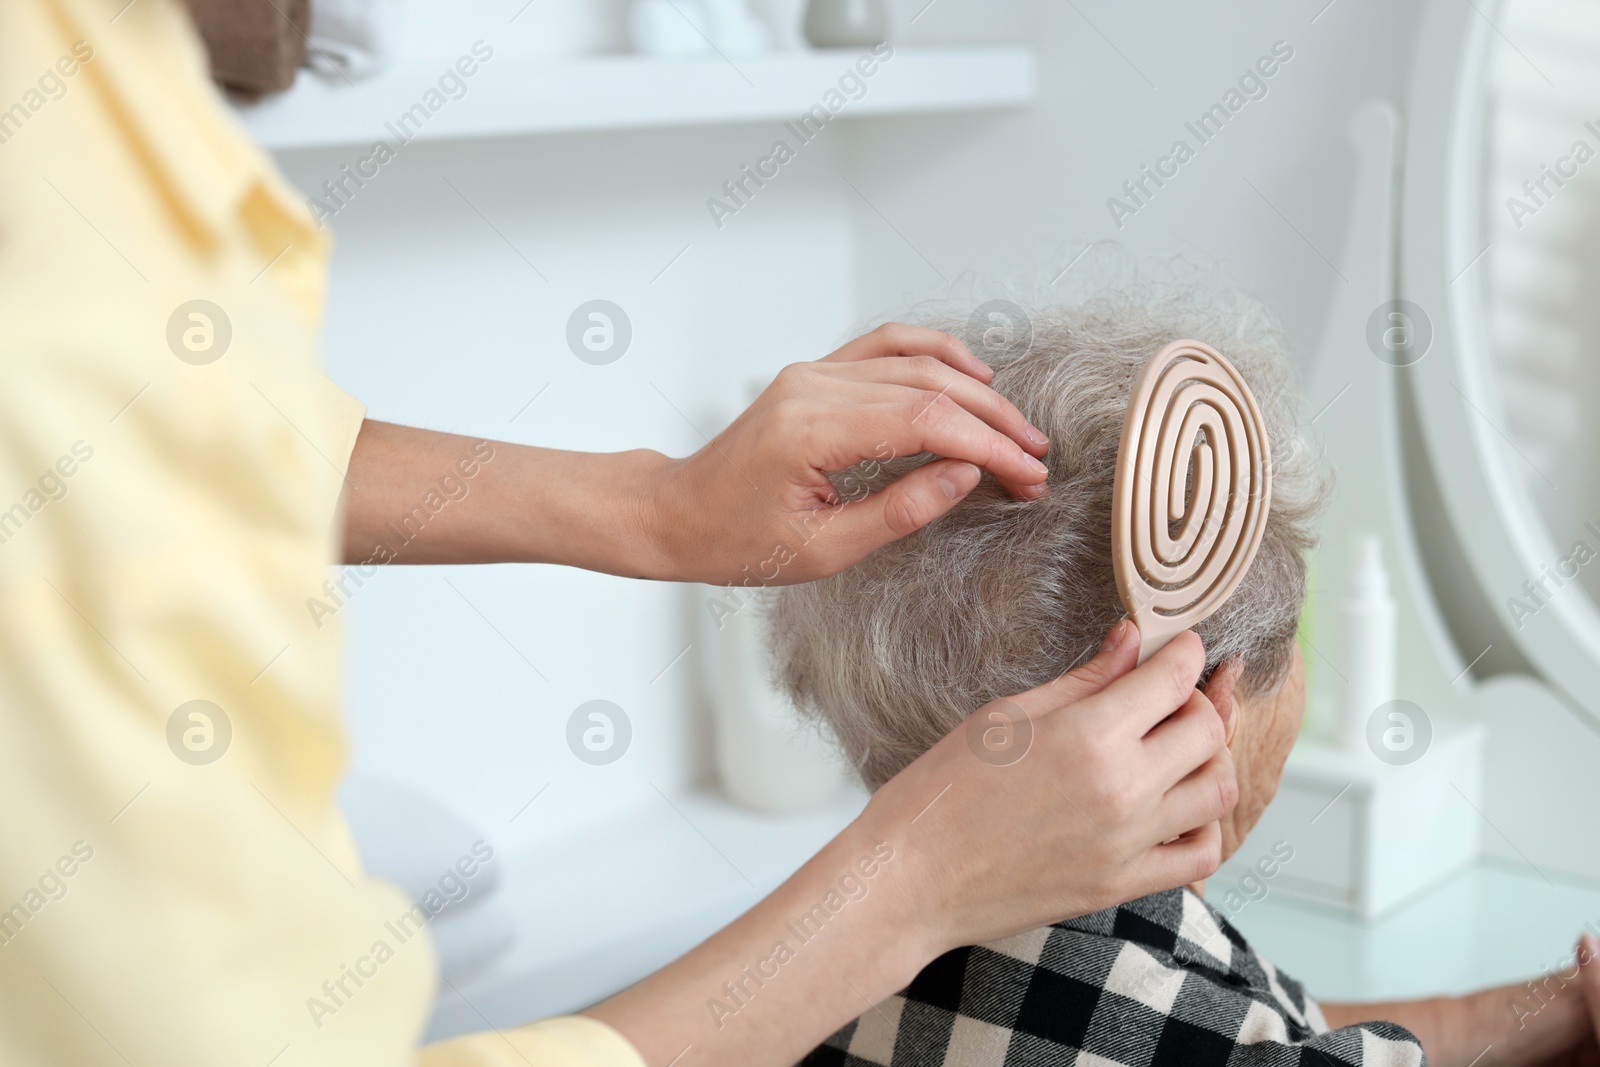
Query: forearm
column 776, row 982
column 417, row 496
column 1499, row 1027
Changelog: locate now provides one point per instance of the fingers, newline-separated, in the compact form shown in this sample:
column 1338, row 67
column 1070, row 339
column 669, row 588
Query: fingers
column 898, row 339
column 1206, row 795
column 1186, row 739
column 929, row 375
column 1119, row 654
column 1161, row 685
column 908, row 421
column 906, row 505
column 1194, row 857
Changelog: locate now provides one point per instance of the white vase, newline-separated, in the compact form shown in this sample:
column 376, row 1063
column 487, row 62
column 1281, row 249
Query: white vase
column 669, row 29
column 735, row 30
column 784, row 18
column 767, row 757
column 544, row 29
column 846, row 23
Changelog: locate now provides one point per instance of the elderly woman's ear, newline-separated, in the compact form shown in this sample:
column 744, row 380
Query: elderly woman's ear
column 1261, row 729
column 1219, row 690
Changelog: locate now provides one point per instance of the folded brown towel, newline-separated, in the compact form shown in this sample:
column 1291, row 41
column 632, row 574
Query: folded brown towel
column 255, row 45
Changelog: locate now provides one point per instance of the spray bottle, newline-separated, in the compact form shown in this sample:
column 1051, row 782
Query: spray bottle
column 1367, row 615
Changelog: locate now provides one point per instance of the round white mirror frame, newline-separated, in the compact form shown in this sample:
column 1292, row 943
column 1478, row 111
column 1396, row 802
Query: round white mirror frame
column 1495, row 518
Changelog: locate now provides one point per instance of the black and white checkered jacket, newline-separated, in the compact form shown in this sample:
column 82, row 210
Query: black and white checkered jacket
column 1164, row 980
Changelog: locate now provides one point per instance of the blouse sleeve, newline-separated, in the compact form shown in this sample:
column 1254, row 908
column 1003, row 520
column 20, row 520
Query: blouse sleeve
column 564, row 1041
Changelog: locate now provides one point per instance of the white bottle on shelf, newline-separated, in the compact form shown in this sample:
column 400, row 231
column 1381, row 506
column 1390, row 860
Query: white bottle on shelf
column 1367, row 615
column 767, row 758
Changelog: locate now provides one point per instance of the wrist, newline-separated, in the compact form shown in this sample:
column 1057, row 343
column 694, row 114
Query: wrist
column 836, row 931
column 907, row 930
column 642, row 509
column 671, row 521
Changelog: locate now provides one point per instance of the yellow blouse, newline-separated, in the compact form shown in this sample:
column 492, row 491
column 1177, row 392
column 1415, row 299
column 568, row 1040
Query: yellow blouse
column 176, row 883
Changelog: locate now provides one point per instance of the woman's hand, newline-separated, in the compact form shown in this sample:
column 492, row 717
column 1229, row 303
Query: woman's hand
column 1588, row 956
column 755, row 506
column 967, row 844
column 1117, row 796
column 1584, row 1051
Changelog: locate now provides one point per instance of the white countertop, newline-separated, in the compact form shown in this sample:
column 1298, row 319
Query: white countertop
column 598, row 913
column 1488, row 925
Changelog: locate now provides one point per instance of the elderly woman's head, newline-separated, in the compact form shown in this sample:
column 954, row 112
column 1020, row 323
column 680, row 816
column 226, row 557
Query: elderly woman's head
column 1000, row 595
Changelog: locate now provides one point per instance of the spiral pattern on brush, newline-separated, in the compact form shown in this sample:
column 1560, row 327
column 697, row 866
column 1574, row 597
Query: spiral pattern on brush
column 1192, row 489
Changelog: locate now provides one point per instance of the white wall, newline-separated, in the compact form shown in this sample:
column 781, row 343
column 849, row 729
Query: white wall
column 436, row 319
column 996, row 195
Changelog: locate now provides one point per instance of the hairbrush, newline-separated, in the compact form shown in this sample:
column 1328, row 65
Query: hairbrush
column 1192, row 488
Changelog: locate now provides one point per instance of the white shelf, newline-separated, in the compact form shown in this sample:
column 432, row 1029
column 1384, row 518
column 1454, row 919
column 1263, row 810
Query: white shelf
column 512, row 96
column 602, row 911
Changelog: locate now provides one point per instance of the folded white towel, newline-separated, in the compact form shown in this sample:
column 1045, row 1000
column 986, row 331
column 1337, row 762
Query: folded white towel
column 354, row 38
column 467, row 942
column 411, row 839
column 439, row 860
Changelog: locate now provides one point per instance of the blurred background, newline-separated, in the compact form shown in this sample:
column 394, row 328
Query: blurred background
column 600, row 151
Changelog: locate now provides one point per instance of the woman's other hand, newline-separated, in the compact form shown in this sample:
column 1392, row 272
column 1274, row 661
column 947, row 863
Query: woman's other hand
column 965, row 845
column 1116, row 795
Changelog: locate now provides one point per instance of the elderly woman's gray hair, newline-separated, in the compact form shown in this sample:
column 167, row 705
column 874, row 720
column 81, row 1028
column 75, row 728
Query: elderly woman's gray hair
column 1001, row 595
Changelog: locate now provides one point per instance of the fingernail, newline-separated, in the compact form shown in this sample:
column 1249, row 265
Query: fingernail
column 1117, row 637
column 1036, row 466
column 1036, row 437
column 955, row 480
